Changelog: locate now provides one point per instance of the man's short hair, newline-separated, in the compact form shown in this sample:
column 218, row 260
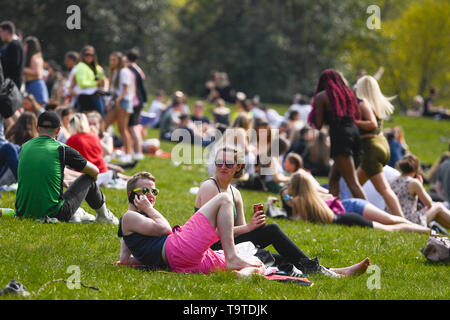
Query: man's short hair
column 75, row 56
column 133, row 55
column 8, row 26
column 132, row 183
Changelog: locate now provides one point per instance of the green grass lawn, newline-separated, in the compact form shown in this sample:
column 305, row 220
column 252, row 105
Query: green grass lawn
column 34, row 253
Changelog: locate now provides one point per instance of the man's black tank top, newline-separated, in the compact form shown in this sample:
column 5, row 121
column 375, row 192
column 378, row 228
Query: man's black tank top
column 146, row 249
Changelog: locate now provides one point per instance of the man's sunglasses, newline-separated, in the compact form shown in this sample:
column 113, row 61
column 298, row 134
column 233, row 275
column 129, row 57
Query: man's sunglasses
column 228, row 165
column 146, row 190
column 88, row 55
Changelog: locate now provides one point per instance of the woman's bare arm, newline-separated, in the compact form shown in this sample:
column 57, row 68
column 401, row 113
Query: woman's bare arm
column 415, row 187
column 368, row 120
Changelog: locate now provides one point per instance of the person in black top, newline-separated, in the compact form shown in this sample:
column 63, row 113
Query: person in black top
column 141, row 95
column 429, row 110
column 12, row 54
column 197, row 114
column 149, row 240
column 300, row 141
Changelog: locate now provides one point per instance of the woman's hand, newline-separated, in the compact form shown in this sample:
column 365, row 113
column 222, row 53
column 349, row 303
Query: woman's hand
column 258, row 220
column 419, row 177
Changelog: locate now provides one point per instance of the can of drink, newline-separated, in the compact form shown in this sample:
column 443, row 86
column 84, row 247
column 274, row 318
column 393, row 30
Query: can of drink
column 6, row 212
column 258, row 207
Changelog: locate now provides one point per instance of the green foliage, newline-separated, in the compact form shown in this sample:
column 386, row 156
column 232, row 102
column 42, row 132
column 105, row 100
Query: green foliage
column 412, row 45
column 107, row 25
column 270, row 48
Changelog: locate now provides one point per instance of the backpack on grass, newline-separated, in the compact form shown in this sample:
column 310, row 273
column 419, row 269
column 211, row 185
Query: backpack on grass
column 10, row 97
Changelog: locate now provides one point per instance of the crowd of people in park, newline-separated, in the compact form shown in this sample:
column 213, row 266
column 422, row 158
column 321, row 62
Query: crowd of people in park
column 59, row 146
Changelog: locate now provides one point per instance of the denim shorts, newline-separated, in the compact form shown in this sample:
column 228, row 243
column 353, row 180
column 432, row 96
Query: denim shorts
column 355, row 205
column 38, row 89
column 126, row 104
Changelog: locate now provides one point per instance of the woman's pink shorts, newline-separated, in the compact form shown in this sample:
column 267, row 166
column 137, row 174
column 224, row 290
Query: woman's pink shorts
column 187, row 248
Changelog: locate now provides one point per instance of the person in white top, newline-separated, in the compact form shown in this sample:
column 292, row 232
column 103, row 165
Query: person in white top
column 70, row 92
column 121, row 87
column 153, row 116
column 301, row 106
column 373, row 196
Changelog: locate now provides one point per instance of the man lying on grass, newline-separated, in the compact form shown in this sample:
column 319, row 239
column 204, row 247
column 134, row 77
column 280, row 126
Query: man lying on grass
column 148, row 239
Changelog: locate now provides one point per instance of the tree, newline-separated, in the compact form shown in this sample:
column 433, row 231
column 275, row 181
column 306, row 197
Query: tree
column 270, row 48
column 107, row 25
column 413, row 46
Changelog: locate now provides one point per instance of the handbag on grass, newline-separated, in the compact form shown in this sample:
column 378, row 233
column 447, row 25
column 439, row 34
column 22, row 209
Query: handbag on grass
column 437, row 249
column 335, row 205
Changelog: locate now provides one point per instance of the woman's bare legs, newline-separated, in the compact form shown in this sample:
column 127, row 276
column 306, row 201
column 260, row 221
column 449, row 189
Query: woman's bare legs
column 122, row 123
column 439, row 213
column 110, row 117
column 382, row 186
column 136, row 137
column 333, row 180
column 406, row 227
column 344, row 166
column 219, row 212
column 373, row 213
column 354, row 270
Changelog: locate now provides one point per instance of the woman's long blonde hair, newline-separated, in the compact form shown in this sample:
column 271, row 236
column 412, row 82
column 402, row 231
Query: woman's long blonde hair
column 367, row 89
column 79, row 123
column 308, row 201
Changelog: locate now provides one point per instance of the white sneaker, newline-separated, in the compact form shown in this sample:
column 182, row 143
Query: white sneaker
column 138, row 156
column 107, row 218
column 81, row 216
column 125, row 158
column 329, row 273
column 75, row 218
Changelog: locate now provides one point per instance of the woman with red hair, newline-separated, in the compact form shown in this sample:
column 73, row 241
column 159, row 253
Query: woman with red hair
column 335, row 105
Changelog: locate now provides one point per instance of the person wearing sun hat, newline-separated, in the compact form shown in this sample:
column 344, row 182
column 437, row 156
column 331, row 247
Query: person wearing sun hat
column 41, row 179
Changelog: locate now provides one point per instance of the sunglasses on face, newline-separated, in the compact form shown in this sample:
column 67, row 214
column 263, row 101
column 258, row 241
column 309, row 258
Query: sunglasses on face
column 227, row 165
column 146, row 190
column 88, row 55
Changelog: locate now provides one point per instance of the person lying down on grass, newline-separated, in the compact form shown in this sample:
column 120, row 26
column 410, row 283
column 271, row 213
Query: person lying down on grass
column 308, row 205
column 147, row 238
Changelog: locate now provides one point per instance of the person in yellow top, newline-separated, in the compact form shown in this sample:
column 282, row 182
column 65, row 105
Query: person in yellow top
column 89, row 78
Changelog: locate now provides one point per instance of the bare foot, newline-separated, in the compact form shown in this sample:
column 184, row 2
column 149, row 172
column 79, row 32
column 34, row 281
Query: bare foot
column 354, row 270
column 249, row 271
column 238, row 263
column 131, row 261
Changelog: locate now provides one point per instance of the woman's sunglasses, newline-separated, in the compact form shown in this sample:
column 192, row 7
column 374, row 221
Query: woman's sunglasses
column 146, row 190
column 228, row 165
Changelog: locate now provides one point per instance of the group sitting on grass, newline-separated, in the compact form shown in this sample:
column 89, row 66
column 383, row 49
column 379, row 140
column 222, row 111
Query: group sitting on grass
column 148, row 239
